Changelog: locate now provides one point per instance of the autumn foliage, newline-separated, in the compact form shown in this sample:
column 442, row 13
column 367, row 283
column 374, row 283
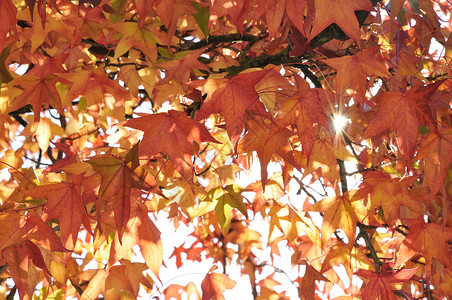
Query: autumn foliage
column 278, row 148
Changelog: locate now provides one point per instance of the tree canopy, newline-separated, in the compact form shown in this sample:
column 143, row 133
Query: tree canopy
column 313, row 134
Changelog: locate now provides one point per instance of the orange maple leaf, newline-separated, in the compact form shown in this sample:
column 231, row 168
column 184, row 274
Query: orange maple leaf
column 23, row 259
column 340, row 212
column 274, row 12
column 143, row 8
column 176, row 290
column 380, row 282
column 127, row 277
column 267, row 140
column 404, row 112
column 94, row 85
column 304, row 109
column 307, row 283
column 236, row 10
column 65, row 204
column 436, row 150
column 350, row 258
column 70, row 158
column 180, row 69
column 119, row 176
column 16, row 229
column 8, row 16
column 353, row 70
column 323, row 156
column 214, row 285
column 233, row 97
column 141, row 231
column 173, row 134
column 38, row 92
column 390, row 194
column 134, row 35
column 170, row 11
column 428, row 239
column 341, row 12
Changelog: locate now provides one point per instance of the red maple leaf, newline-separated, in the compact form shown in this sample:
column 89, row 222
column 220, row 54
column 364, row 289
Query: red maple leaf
column 353, row 70
column 8, row 16
column 341, row 12
column 304, row 109
column 214, row 284
column 141, row 231
column 173, row 134
column 119, row 177
column 380, row 282
column 65, row 204
column 180, row 68
column 436, row 151
column 267, row 140
column 428, row 239
column 233, row 97
column 23, row 259
column 404, row 112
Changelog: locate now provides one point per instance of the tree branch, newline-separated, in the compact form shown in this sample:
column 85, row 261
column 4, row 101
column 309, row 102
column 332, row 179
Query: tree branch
column 362, row 228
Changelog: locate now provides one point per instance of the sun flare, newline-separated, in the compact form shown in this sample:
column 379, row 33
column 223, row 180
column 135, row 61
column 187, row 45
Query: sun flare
column 340, row 122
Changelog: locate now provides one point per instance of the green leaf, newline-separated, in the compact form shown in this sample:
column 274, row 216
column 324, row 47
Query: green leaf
column 5, row 76
column 202, row 17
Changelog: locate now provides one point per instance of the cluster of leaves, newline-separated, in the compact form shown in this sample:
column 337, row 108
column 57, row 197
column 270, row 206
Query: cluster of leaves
column 114, row 113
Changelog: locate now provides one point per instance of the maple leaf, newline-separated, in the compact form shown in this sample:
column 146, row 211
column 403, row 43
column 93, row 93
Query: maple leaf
column 291, row 223
column 274, row 12
column 23, row 259
column 428, row 239
column 173, row 134
column 65, row 204
column 390, row 194
column 323, row 156
column 43, row 65
column 214, row 284
column 141, row 231
column 134, row 273
column 170, row 11
column 304, row 109
column 343, row 15
column 380, row 282
column 404, row 112
column 96, row 283
column 134, row 35
column 223, row 200
column 436, row 151
column 307, row 284
column 233, row 97
column 93, row 85
column 353, row 70
column 340, row 212
column 119, row 176
column 180, row 69
column 92, row 23
column 236, row 10
column 174, row 291
column 266, row 140
column 116, row 281
column 39, row 92
column 248, row 239
column 17, row 229
column 8, row 16
column 351, row 259
column 70, row 158
column 143, row 8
